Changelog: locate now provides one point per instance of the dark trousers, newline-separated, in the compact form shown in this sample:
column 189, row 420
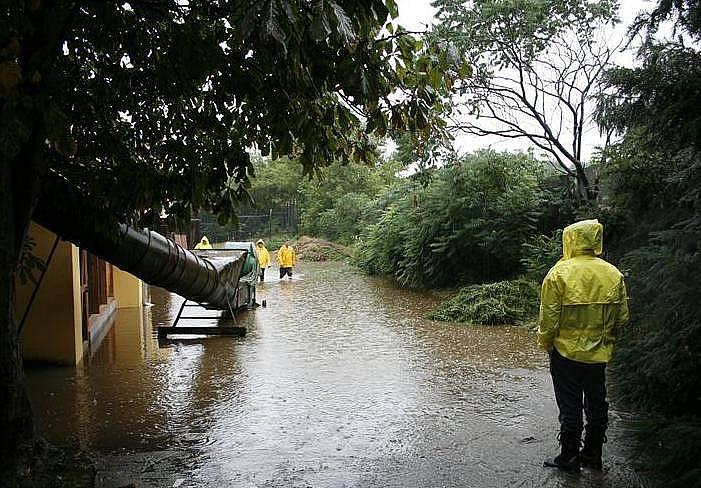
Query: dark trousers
column 579, row 386
column 262, row 274
column 285, row 271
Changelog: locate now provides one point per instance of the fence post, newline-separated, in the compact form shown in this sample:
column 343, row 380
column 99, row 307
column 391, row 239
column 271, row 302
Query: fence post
column 270, row 224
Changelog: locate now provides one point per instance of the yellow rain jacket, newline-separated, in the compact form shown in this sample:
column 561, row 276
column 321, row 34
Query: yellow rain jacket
column 286, row 257
column 263, row 254
column 583, row 299
column 203, row 244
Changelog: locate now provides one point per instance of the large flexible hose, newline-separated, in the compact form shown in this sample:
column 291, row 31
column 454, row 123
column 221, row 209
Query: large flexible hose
column 211, row 281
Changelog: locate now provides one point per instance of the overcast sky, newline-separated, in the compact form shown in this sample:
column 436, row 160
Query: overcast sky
column 417, row 15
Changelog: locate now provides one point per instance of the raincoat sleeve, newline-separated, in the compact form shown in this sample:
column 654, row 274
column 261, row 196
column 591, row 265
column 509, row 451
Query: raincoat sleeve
column 623, row 315
column 549, row 316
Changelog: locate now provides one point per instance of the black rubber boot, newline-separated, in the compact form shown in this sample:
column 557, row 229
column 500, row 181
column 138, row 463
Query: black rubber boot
column 568, row 459
column 590, row 456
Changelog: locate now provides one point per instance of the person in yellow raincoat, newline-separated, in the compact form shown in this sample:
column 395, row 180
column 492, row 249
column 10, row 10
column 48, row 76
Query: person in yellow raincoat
column 286, row 259
column 263, row 258
column 583, row 303
column 203, row 244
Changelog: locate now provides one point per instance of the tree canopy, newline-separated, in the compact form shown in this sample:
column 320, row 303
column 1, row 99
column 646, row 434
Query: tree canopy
column 536, row 65
column 168, row 96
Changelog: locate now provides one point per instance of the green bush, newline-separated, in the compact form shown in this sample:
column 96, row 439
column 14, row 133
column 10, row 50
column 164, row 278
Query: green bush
column 658, row 361
column 343, row 222
column 672, row 446
column 467, row 225
column 334, row 204
column 540, row 253
column 380, row 250
column 504, row 302
column 658, row 357
column 653, row 178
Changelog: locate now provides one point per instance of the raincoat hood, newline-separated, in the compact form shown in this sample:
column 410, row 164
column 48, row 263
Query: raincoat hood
column 204, row 240
column 260, row 242
column 583, row 237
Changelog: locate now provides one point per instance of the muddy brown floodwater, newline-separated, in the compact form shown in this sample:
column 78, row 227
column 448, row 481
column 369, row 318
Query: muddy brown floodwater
column 340, row 382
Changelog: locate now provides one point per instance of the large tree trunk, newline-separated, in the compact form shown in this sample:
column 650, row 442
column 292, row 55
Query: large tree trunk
column 583, row 187
column 19, row 191
column 39, row 28
column 16, row 420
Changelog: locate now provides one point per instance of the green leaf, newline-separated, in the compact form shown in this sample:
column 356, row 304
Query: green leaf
column 392, row 8
column 345, row 26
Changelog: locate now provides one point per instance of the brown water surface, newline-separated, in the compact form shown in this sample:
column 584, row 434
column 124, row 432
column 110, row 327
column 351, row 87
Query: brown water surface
column 340, row 382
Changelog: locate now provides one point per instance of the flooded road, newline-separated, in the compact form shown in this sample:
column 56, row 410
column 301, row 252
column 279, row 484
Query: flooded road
column 340, row 382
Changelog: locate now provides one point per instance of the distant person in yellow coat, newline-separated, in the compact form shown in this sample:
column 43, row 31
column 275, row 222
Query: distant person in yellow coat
column 203, row 244
column 263, row 258
column 286, row 260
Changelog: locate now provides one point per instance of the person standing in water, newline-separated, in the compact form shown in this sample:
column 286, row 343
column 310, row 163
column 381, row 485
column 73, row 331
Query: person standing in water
column 263, row 258
column 583, row 304
column 286, row 259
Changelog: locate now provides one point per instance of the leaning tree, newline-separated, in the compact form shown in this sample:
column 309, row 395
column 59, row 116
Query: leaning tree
column 537, row 68
column 151, row 105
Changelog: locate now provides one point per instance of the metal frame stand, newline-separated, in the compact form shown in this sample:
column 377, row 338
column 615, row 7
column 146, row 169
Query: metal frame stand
column 218, row 331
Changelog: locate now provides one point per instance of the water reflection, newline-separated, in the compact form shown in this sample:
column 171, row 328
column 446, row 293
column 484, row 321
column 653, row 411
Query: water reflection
column 339, row 382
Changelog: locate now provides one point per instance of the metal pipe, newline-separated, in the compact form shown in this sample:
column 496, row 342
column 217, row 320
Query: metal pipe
column 38, row 284
column 211, row 281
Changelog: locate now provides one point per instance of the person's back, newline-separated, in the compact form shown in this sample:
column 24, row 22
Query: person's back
column 590, row 293
column 583, row 303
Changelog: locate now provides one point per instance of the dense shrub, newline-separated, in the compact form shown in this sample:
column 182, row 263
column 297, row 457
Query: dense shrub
column 344, row 221
column 467, row 225
column 382, row 248
column 657, row 363
column 675, row 448
column 504, row 302
column 540, row 253
column 335, row 203
column 654, row 184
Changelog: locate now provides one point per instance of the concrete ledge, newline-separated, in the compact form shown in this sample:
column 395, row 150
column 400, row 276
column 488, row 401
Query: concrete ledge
column 99, row 324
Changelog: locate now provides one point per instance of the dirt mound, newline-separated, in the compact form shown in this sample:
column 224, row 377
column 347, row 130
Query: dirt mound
column 315, row 249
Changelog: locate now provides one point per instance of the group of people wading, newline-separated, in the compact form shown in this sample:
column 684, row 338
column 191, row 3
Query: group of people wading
column 286, row 259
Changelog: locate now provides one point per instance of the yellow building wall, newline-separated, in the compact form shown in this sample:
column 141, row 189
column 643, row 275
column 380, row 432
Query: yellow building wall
column 129, row 335
column 128, row 289
column 53, row 328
